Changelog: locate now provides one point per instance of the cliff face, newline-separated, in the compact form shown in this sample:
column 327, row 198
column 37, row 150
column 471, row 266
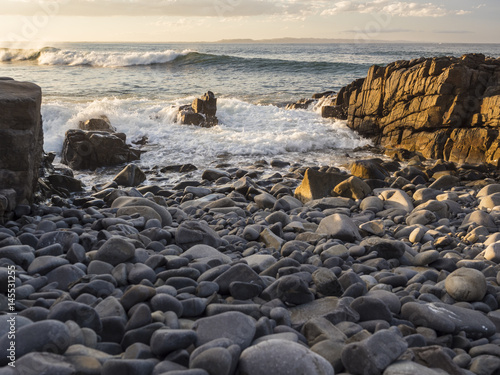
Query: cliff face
column 21, row 138
column 443, row 107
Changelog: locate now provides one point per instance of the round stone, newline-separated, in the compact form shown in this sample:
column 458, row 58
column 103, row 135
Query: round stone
column 282, row 357
column 116, row 250
column 466, row 284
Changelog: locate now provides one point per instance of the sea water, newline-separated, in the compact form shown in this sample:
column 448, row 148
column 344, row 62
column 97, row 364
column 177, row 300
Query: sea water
column 140, row 86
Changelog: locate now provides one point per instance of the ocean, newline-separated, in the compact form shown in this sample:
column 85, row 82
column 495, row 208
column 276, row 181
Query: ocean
column 139, row 86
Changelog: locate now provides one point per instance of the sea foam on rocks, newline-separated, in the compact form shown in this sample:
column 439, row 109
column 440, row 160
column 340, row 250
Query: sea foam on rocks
column 232, row 274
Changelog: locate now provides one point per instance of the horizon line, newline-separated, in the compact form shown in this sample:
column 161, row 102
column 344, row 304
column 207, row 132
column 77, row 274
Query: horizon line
column 284, row 40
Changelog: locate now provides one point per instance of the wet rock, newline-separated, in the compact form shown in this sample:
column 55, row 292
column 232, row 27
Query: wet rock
column 94, row 149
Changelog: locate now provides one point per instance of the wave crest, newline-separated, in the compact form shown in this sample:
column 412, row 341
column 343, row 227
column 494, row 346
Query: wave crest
column 55, row 56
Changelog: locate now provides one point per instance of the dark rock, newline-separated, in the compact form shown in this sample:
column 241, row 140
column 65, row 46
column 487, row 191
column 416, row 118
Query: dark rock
column 140, row 335
column 131, row 175
column 215, row 361
column 373, row 355
column 21, row 140
column 116, row 250
column 64, row 276
column 238, row 272
column 128, row 366
column 68, row 183
column 370, row 308
column 44, row 364
column 280, row 357
column 137, row 294
column 94, row 149
column 191, row 233
column 129, row 202
column 22, row 255
column 387, row 249
column 44, row 264
column 235, row 326
column 64, row 238
column 81, row 314
column 448, row 318
column 436, row 357
column 46, row 335
column 201, row 112
column 165, row 341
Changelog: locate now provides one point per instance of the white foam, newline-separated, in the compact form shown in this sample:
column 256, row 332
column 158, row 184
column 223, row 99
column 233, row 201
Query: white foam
column 7, row 54
column 107, row 59
column 245, row 131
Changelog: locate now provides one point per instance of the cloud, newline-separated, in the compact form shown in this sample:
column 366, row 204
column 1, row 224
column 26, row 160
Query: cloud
column 183, row 8
column 453, row 32
column 391, row 7
column 388, row 31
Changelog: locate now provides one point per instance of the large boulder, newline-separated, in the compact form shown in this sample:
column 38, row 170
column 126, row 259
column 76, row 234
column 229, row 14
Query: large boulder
column 201, row 112
column 443, row 107
column 316, row 185
column 21, row 138
column 93, row 149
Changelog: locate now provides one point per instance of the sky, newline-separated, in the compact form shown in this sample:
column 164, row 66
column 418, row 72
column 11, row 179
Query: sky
column 40, row 21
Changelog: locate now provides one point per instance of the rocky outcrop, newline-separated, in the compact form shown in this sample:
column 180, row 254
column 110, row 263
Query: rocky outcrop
column 444, row 108
column 300, row 104
column 93, row 149
column 101, row 123
column 21, row 139
column 320, row 99
column 201, row 112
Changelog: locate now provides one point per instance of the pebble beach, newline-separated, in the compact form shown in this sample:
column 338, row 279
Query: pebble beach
column 232, row 273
